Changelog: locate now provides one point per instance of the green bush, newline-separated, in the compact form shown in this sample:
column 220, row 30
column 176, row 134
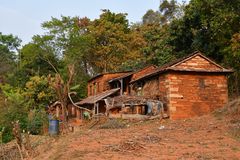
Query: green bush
column 12, row 108
column 25, row 105
column 10, row 113
column 36, row 121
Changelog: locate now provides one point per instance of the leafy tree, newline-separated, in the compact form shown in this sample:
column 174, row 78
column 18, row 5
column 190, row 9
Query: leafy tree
column 36, row 55
column 151, row 17
column 168, row 11
column 34, row 60
column 156, row 32
column 232, row 59
column 171, row 10
column 111, row 34
column 8, row 47
column 38, row 92
column 136, row 43
column 75, row 44
column 207, row 26
column 157, row 51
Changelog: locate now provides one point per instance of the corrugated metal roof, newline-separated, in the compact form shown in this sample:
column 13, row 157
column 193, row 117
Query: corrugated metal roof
column 98, row 97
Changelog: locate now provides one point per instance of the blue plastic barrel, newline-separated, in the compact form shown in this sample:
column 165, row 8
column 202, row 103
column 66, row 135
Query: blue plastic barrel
column 53, row 127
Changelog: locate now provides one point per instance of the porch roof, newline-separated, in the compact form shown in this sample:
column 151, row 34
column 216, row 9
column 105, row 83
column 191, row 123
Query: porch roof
column 98, row 97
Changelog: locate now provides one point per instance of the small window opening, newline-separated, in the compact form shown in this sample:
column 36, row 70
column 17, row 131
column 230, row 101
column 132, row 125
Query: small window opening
column 201, row 83
column 139, row 89
column 95, row 88
column 90, row 90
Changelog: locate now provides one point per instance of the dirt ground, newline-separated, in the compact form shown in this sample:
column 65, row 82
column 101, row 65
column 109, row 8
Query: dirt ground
column 202, row 138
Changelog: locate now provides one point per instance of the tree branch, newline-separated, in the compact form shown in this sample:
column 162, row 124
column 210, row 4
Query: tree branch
column 69, row 96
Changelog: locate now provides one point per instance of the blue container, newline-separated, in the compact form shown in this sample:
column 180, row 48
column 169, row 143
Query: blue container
column 53, row 127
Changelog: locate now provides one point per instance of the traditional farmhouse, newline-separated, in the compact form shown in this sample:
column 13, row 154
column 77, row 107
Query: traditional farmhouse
column 187, row 87
column 105, row 86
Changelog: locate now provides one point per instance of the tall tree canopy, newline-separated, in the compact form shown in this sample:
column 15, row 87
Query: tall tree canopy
column 207, row 26
column 115, row 42
column 9, row 46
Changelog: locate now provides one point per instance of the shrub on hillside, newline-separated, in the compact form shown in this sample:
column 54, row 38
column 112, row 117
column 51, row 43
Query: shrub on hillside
column 36, row 121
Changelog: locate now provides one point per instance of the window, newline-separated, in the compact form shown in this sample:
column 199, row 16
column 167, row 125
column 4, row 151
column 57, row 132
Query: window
column 95, row 88
column 201, row 83
column 90, row 90
column 98, row 90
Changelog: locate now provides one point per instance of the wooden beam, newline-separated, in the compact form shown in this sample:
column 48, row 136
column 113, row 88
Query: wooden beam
column 94, row 110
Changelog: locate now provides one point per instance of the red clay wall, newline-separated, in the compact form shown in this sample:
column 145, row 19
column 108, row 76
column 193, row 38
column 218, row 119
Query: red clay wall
column 163, row 88
column 101, row 83
column 195, row 94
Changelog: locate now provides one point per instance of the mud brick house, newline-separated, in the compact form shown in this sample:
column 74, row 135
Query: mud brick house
column 190, row 86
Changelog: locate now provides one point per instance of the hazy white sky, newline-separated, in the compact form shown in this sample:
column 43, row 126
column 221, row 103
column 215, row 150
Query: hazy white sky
column 24, row 17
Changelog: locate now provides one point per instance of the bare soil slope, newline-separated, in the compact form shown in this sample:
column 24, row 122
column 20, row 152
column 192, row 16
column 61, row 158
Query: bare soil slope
column 205, row 137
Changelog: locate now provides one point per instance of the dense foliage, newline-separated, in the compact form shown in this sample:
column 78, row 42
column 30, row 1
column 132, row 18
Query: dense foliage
column 110, row 43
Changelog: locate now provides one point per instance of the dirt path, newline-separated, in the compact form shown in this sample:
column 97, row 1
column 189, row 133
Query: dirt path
column 199, row 138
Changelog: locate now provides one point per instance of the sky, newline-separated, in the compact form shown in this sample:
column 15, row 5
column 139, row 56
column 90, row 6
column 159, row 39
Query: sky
column 23, row 18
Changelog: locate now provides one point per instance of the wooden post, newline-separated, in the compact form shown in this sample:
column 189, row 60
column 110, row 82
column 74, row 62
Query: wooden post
column 131, row 88
column 78, row 114
column 94, row 110
column 97, row 108
column 57, row 111
column 121, row 89
column 73, row 111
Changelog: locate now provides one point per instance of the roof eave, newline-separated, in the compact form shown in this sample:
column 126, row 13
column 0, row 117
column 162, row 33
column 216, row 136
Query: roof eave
column 224, row 71
column 120, row 77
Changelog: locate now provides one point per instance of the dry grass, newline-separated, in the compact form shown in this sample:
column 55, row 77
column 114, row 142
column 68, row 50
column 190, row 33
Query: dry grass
column 9, row 151
column 231, row 112
column 112, row 124
column 126, row 146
